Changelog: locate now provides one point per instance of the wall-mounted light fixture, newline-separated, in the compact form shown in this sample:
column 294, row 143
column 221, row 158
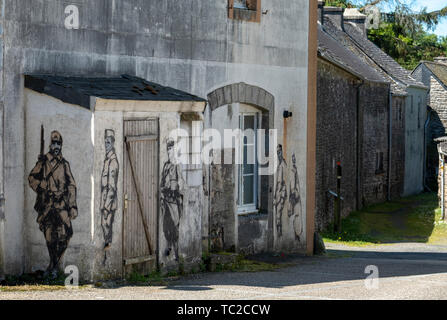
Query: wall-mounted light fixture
column 287, row 114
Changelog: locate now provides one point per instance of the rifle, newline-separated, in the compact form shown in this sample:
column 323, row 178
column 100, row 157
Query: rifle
column 42, row 140
column 41, row 196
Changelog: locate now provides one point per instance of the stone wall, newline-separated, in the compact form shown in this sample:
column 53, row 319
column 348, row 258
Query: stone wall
column 398, row 147
column 222, row 214
column 438, row 99
column 336, row 141
column 352, row 137
column 2, row 198
column 252, row 233
column 374, row 103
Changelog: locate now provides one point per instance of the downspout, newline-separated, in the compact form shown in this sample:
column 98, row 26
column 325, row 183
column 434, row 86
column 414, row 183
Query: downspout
column 358, row 153
column 390, row 139
column 2, row 152
column 210, row 168
column 424, row 175
column 441, row 161
column 442, row 188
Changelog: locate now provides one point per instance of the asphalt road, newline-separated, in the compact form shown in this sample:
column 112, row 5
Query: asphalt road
column 406, row 271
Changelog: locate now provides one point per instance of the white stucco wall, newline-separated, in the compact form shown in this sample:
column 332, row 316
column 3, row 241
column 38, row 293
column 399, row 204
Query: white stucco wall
column 415, row 117
column 83, row 147
column 195, row 48
column 76, row 125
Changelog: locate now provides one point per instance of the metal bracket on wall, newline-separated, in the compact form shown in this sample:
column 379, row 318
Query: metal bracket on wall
column 2, row 207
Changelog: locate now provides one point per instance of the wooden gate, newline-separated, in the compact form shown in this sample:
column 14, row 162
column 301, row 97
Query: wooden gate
column 140, row 218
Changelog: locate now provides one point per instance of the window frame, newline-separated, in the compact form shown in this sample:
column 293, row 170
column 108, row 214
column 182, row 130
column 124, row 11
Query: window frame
column 241, row 14
column 254, row 206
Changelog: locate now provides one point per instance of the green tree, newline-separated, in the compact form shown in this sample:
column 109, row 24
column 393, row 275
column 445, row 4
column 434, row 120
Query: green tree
column 404, row 36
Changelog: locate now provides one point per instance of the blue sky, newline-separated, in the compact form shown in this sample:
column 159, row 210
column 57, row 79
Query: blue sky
column 432, row 5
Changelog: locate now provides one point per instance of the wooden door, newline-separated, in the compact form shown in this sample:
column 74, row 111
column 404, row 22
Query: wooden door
column 140, row 218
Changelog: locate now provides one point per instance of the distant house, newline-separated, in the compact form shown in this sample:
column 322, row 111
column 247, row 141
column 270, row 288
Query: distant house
column 350, row 94
column 390, row 117
column 434, row 75
column 415, row 103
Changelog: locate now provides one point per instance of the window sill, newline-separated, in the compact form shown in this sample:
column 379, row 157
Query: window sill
column 246, row 212
column 257, row 215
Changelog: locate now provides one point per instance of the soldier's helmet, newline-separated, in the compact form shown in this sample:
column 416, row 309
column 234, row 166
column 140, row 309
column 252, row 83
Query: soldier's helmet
column 170, row 143
column 109, row 133
column 56, row 137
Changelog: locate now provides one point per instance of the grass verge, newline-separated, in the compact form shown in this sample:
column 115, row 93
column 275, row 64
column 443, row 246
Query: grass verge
column 412, row 219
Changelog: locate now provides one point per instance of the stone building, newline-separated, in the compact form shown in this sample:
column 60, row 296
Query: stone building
column 434, row 75
column 254, row 62
column 348, row 128
column 410, row 94
column 390, row 139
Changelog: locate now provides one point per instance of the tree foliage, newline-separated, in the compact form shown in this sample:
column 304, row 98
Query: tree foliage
column 404, row 37
column 408, row 49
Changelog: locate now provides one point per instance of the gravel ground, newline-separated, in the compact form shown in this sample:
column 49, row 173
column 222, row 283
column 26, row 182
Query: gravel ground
column 406, row 271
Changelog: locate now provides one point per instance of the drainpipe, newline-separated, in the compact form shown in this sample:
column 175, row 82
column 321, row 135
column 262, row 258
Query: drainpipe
column 357, row 169
column 424, row 175
column 441, row 161
column 210, row 168
column 443, row 189
column 390, row 140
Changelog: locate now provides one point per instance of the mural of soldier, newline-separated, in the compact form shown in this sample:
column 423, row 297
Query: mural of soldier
column 109, row 182
column 294, row 212
column 280, row 196
column 52, row 180
column 171, row 200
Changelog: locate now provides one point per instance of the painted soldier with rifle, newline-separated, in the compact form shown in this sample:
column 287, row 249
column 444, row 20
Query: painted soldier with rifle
column 52, row 180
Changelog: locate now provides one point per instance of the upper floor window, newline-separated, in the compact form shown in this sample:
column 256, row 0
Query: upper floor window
column 248, row 10
column 240, row 4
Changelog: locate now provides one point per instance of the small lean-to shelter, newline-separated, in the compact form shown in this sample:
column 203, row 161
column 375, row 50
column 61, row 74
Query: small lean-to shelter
column 110, row 197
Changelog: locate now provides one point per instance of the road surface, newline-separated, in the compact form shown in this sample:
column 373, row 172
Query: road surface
column 406, row 271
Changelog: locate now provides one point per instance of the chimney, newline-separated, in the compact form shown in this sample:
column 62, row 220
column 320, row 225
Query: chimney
column 335, row 14
column 320, row 10
column 357, row 18
column 442, row 60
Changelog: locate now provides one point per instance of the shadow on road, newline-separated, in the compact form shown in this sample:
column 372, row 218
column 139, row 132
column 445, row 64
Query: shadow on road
column 335, row 266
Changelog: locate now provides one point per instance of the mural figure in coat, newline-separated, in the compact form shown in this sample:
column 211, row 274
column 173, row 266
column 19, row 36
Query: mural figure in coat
column 294, row 212
column 280, row 196
column 171, row 200
column 52, row 180
column 109, row 182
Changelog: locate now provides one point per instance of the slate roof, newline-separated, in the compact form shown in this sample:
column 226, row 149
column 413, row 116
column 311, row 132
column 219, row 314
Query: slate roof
column 331, row 49
column 79, row 90
column 438, row 69
column 397, row 89
column 382, row 59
